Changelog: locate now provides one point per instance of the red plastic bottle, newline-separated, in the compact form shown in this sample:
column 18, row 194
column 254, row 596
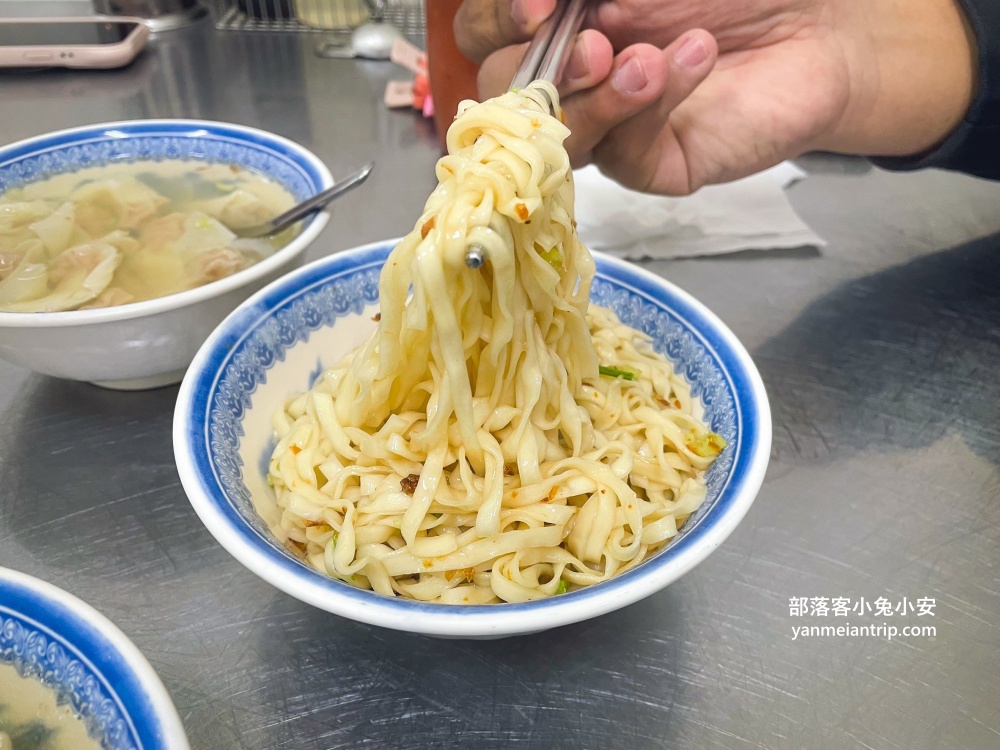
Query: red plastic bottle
column 452, row 75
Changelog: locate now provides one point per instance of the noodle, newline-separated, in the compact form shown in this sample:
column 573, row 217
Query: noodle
column 497, row 439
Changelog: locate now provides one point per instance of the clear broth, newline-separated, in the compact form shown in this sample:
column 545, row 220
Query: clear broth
column 31, row 719
column 130, row 232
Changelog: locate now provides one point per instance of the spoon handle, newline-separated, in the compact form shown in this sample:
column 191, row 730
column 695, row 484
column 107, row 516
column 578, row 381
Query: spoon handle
column 320, row 200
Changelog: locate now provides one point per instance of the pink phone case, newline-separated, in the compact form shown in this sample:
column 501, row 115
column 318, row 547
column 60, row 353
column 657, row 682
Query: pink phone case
column 76, row 55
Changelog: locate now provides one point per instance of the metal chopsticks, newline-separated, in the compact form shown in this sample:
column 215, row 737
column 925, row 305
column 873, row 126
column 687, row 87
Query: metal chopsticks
column 549, row 50
column 544, row 60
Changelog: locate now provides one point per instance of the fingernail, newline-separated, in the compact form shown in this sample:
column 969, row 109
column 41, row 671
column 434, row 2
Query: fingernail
column 630, row 78
column 518, row 13
column 692, row 53
column 579, row 64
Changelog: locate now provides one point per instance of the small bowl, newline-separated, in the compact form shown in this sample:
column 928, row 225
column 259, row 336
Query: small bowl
column 150, row 344
column 50, row 635
column 285, row 336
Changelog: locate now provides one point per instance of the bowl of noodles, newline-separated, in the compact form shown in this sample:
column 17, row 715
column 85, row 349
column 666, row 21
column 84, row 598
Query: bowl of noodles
column 120, row 244
column 408, row 438
column 284, row 340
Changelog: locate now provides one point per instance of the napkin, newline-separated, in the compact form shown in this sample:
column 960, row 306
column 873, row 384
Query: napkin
column 749, row 214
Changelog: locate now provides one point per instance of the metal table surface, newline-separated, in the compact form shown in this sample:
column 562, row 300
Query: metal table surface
column 880, row 355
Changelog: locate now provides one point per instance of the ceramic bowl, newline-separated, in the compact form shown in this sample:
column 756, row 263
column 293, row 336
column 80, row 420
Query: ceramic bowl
column 149, row 344
column 283, row 338
column 50, row 635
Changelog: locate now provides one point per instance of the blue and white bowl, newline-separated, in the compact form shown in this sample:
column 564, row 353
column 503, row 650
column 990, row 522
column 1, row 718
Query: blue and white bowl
column 149, row 344
column 281, row 339
column 52, row 636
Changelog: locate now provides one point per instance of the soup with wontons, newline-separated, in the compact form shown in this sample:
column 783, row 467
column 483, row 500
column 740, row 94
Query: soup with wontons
column 32, row 719
column 122, row 233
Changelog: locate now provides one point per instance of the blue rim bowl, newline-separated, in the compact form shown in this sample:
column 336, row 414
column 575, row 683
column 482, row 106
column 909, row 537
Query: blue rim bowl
column 222, row 451
column 149, row 343
column 296, row 168
column 50, row 635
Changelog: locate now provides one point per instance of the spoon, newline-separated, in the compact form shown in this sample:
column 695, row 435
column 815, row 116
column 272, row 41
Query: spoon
column 372, row 40
column 307, row 207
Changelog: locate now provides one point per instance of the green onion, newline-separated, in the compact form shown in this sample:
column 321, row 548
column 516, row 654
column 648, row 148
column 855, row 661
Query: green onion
column 615, row 372
column 706, row 446
column 562, row 588
column 553, row 257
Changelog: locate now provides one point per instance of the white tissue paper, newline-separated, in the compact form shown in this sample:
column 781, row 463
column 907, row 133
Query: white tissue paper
column 749, row 214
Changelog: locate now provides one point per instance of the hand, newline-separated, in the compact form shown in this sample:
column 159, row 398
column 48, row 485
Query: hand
column 669, row 95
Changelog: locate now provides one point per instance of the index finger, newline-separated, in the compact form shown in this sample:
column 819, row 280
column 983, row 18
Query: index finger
column 484, row 26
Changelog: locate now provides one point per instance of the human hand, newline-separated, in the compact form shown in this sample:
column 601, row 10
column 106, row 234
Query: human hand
column 670, row 95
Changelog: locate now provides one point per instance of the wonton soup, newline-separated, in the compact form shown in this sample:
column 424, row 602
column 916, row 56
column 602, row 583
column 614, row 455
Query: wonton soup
column 129, row 232
column 31, row 719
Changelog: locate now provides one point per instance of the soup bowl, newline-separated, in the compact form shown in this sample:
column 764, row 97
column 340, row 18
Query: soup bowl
column 284, row 337
column 51, row 636
column 149, row 344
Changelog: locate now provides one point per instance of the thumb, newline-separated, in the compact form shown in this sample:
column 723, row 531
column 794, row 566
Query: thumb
column 644, row 152
column 483, row 26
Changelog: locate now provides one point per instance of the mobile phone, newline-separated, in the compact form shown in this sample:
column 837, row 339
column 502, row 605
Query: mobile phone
column 70, row 42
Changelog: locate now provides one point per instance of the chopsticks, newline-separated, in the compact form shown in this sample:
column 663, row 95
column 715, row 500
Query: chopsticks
column 544, row 60
column 549, row 50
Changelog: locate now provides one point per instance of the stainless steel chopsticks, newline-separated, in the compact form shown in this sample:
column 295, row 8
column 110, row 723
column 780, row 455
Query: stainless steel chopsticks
column 549, row 50
column 544, row 60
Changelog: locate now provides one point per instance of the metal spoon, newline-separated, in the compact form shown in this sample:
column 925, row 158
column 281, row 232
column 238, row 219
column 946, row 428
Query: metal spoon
column 307, row 207
column 372, row 40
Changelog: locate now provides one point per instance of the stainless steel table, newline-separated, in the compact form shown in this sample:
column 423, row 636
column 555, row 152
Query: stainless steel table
column 881, row 357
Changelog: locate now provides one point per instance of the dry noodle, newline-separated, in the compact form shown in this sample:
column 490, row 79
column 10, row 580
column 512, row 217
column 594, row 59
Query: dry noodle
column 497, row 438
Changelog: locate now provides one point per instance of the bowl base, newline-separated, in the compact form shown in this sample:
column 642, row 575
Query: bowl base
column 143, row 384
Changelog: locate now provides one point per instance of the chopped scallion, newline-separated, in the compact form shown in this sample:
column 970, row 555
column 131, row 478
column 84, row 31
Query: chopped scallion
column 553, row 256
column 706, row 446
column 615, row 372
